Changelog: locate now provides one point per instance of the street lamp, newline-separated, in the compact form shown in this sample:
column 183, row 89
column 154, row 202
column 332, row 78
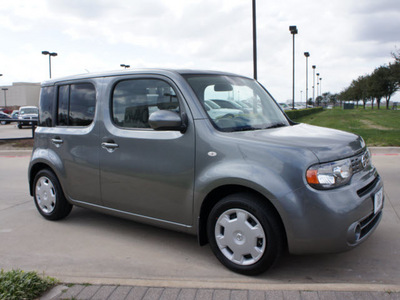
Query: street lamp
column 307, row 55
column 254, row 42
column 50, row 54
column 125, row 66
column 5, row 98
column 317, row 84
column 320, row 86
column 313, row 87
column 293, row 31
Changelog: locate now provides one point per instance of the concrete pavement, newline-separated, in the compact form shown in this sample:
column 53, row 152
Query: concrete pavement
column 116, row 256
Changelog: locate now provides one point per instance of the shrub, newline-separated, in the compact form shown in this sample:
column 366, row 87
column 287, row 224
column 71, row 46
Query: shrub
column 17, row 284
column 295, row 114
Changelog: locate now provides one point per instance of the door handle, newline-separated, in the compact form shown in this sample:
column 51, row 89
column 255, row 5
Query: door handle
column 57, row 141
column 110, row 147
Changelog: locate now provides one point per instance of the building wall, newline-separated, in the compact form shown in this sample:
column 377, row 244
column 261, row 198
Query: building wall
column 20, row 94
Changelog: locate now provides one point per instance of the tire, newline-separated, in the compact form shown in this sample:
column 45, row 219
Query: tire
column 19, row 126
column 245, row 234
column 49, row 197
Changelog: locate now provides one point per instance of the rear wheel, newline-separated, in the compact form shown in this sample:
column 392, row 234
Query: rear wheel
column 245, row 234
column 49, row 197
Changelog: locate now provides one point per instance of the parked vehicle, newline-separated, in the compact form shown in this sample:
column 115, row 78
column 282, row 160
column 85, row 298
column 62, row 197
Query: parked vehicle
column 215, row 111
column 15, row 114
column 27, row 116
column 285, row 106
column 141, row 145
column 5, row 118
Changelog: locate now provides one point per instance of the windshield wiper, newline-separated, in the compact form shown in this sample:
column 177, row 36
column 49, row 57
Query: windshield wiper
column 276, row 125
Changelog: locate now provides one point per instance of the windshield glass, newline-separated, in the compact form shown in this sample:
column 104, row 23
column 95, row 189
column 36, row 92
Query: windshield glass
column 29, row 110
column 235, row 103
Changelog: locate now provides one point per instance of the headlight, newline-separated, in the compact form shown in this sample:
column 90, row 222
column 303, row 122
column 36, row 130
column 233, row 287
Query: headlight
column 330, row 175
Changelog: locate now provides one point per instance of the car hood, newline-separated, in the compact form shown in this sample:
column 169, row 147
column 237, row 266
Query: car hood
column 327, row 144
column 29, row 115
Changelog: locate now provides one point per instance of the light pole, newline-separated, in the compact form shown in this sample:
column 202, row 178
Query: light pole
column 313, row 86
column 307, row 55
column 50, row 54
column 254, row 42
column 5, row 98
column 293, row 31
column 317, row 84
column 125, row 66
column 320, row 86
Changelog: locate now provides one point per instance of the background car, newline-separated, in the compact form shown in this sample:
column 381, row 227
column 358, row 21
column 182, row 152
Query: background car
column 15, row 114
column 4, row 116
column 28, row 116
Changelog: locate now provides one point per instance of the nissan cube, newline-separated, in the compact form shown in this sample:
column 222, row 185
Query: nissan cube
column 207, row 153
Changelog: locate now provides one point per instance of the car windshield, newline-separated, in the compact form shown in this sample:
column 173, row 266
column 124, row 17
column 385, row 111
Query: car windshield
column 236, row 103
column 29, row 110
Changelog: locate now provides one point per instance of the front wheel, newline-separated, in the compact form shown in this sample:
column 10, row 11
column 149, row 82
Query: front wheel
column 49, row 197
column 245, row 234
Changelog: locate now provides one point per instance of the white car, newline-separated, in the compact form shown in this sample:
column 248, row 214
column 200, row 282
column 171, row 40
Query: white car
column 28, row 116
column 216, row 112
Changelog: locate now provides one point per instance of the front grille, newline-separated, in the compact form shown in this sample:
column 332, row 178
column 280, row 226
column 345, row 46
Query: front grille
column 361, row 161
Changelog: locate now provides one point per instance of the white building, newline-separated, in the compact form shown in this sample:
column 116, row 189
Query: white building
column 20, row 94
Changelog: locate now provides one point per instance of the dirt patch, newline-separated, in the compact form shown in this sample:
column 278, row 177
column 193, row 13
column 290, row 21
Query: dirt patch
column 371, row 125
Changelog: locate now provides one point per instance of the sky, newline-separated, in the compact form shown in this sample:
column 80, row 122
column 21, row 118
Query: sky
column 345, row 38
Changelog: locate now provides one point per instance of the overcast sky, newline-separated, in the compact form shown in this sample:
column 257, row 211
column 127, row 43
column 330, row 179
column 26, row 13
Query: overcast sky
column 345, row 38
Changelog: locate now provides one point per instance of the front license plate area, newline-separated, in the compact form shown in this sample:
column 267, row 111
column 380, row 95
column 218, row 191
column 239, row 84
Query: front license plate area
column 378, row 201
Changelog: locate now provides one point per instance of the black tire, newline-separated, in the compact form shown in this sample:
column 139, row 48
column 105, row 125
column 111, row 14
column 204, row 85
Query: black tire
column 19, row 126
column 260, row 231
column 49, row 197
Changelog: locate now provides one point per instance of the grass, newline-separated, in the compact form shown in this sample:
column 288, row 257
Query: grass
column 377, row 127
column 17, row 284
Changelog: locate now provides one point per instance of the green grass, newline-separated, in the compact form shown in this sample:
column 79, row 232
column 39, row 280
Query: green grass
column 17, row 284
column 377, row 127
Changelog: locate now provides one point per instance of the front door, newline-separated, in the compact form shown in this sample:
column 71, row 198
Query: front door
column 146, row 172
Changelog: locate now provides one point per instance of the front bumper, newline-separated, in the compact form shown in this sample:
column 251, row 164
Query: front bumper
column 333, row 220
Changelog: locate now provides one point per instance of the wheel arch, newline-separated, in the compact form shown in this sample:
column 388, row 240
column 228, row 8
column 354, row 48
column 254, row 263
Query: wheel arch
column 36, row 168
column 219, row 193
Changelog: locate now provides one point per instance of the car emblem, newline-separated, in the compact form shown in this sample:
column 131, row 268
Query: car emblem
column 364, row 160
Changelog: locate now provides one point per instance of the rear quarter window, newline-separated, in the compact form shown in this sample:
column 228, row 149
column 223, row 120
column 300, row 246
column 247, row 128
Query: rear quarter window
column 46, row 106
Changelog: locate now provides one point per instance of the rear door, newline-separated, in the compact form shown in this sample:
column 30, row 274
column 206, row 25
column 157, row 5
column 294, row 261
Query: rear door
column 74, row 141
column 146, row 172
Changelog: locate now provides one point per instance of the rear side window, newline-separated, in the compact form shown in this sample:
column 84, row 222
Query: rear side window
column 76, row 104
column 135, row 100
column 46, row 106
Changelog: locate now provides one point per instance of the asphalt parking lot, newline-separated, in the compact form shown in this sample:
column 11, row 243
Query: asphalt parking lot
column 89, row 247
column 11, row 131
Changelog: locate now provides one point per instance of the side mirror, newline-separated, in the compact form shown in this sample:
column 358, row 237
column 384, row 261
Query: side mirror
column 168, row 120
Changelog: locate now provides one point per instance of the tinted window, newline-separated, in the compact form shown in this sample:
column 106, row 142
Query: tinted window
column 63, row 98
column 134, row 100
column 76, row 104
column 46, row 106
column 82, row 104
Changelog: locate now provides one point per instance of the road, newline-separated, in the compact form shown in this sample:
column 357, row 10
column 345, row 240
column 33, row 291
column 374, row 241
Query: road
column 100, row 249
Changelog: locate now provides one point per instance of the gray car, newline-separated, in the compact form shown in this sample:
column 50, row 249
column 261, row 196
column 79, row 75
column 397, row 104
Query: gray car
column 141, row 145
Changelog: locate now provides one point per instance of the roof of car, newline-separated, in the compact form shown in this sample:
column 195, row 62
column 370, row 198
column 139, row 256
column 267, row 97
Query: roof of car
column 166, row 72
